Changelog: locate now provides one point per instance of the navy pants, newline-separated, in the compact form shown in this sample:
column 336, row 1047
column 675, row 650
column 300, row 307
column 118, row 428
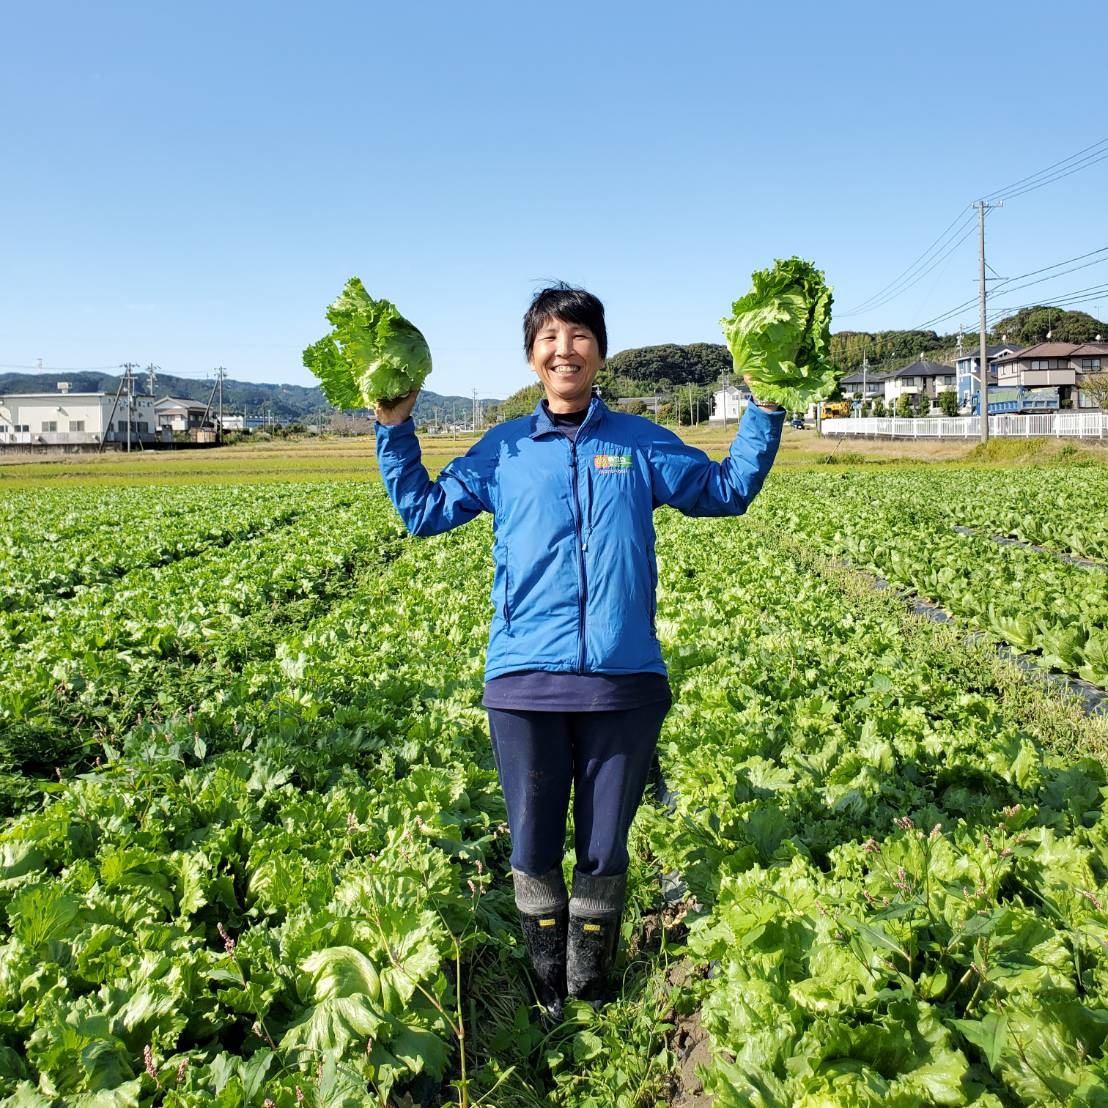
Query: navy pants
column 603, row 756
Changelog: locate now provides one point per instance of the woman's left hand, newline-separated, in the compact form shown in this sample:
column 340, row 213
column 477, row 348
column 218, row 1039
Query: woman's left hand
column 769, row 406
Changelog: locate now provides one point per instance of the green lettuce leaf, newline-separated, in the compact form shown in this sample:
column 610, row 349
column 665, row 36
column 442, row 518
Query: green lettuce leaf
column 372, row 353
column 780, row 335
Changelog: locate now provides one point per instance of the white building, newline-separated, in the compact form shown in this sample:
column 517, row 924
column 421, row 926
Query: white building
column 73, row 418
column 174, row 414
column 922, row 378
column 728, row 404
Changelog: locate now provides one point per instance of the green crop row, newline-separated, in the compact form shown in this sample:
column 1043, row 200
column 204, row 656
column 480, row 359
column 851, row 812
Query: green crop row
column 55, row 543
column 902, row 895
column 1032, row 601
column 163, row 638
column 286, row 878
column 284, row 919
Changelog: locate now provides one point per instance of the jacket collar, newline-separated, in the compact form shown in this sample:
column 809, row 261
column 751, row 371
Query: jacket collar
column 542, row 424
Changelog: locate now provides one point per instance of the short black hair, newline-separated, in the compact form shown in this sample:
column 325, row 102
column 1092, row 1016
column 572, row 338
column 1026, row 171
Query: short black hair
column 562, row 301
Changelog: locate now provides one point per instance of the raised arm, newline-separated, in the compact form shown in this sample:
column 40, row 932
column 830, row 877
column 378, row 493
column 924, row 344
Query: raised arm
column 687, row 479
column 427, row 507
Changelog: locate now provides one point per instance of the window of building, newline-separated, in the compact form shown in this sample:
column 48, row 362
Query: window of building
column 76, row 424
column 142, row 426
column 1090, row 364
column 49, row 425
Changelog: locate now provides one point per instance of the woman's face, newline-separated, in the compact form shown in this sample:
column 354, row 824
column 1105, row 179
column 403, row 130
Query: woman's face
column 566, row 358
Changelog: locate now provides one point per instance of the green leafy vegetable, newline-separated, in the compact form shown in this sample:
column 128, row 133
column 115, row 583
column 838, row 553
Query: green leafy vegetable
column 780, row 334
column 373, row 353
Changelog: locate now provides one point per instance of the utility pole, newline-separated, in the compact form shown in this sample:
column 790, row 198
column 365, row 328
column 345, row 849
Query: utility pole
column 724, row 404
column 129, row 381
column 474, row 427
column 207, row 408
column 152, row 378
column 220, row 373
column 983, row 367
column 115, row 404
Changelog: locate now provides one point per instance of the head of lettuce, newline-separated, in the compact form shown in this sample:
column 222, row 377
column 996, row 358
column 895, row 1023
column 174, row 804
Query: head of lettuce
column 780, row 335
column 372, row 353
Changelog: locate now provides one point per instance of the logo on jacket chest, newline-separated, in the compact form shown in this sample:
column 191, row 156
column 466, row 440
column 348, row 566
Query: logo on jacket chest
column 619, row 463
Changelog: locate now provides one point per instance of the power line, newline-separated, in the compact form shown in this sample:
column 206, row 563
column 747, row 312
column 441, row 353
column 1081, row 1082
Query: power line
column 1083, row 159
column 1090, row 155
column 1052, row 277
column 1058, row 177
column 1046, row 268
column 892, row 288
column 1004, row 289
column 969, row 229
column 64, row 368
column 1076, row 296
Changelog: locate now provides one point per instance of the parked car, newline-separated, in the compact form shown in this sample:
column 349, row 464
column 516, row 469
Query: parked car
column 797, row 422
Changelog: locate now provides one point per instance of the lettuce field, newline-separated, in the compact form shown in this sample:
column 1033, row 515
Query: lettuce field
column 254, row 851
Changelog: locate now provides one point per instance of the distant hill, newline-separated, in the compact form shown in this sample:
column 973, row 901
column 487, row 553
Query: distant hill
column 888, row 350
column 286, row 403
column 638, row 371
column 1030, row 325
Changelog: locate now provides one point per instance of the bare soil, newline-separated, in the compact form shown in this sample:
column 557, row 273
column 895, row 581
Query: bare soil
column 691, row 1046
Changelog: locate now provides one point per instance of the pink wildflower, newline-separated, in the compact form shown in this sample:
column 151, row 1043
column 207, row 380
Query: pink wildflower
column 151, row 1069
column 228, row 942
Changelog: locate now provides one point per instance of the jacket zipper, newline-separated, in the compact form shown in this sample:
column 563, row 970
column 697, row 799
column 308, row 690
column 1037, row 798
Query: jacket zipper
column 582, row 590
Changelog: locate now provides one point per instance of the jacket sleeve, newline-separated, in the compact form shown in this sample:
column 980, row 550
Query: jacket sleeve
column 457, row 495
column 687, row 479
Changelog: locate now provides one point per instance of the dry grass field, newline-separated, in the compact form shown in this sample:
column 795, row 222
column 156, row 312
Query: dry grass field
column 352, row 458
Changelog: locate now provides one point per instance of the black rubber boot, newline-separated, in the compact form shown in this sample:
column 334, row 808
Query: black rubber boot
column 659, row 788
column 595, row 912
column 544, row 920
column 545, row 937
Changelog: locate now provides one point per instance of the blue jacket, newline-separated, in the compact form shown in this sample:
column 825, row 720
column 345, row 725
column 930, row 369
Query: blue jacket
column 575, row 578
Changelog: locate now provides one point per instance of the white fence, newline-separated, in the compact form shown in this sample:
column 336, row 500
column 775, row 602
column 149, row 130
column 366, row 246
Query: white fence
column 1082, row 425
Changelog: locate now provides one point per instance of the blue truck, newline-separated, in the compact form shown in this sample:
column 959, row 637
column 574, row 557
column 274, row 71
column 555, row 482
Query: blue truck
column 1004, row 401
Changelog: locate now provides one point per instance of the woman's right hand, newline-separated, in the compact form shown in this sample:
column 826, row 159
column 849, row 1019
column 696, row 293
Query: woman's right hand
column 392, row 412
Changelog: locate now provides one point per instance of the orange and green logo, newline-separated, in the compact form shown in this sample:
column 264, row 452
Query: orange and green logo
column 612, row 461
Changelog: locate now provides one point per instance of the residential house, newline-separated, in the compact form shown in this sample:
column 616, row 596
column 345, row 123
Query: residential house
column 174, row 414
column 968, row 368
column 1054, row 365
column 922, row 378
column 863, row 386
column 728, row 404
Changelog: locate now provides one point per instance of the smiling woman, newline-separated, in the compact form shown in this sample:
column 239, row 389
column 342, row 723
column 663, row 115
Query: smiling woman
column 576, row 688
column 565, row 341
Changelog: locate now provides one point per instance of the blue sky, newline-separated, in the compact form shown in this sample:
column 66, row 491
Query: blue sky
column 191, row 183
